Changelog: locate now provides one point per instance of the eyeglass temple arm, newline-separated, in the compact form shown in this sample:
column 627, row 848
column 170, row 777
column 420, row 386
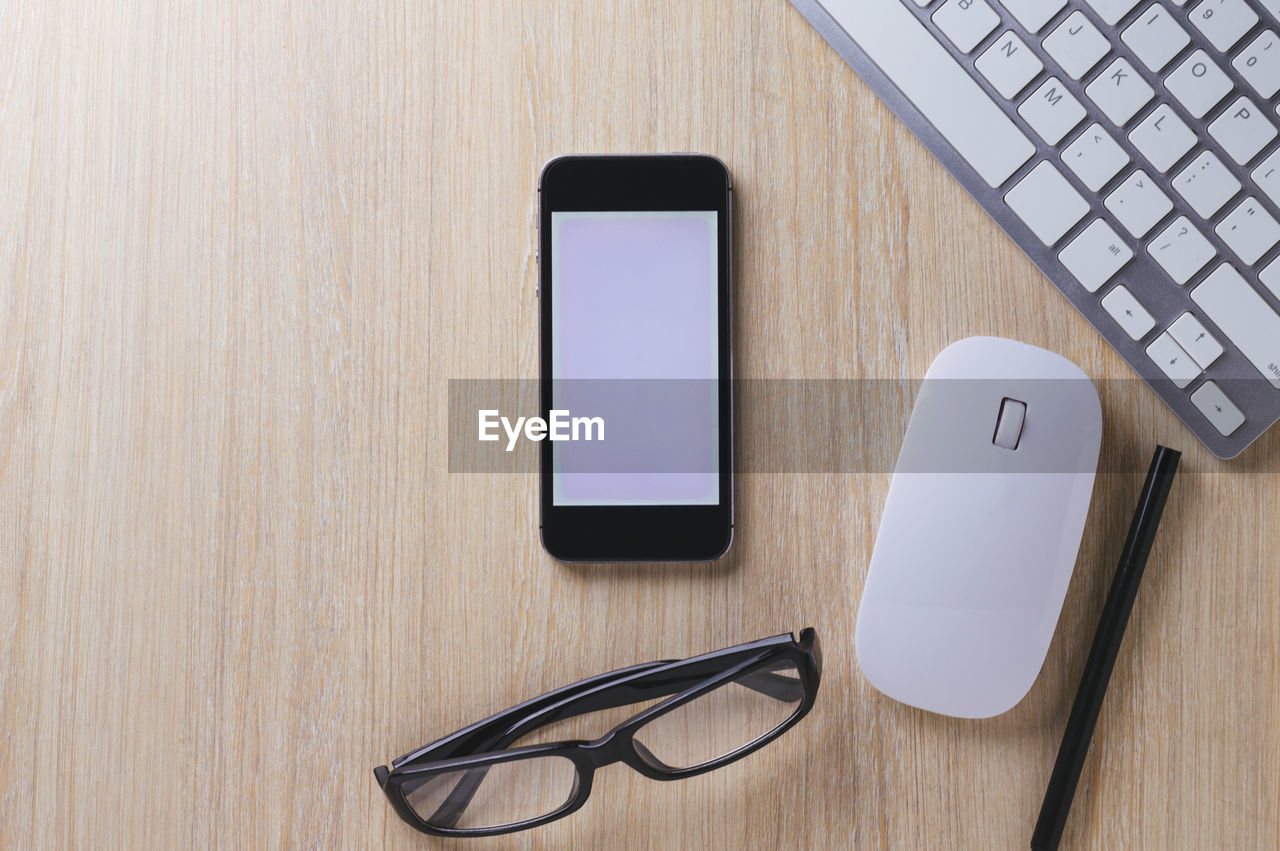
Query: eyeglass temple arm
column 770, row 683
column 638, row 689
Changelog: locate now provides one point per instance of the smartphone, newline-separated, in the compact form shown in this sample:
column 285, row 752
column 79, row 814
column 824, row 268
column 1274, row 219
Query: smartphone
column 634, row 325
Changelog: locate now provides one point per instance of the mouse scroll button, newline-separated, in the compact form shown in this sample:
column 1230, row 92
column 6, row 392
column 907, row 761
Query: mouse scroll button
column 1009, row 424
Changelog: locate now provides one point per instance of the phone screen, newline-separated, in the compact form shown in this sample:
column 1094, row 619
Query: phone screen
column 634, row 341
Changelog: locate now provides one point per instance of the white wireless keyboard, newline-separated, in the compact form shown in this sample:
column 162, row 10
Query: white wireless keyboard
column 1130, row 149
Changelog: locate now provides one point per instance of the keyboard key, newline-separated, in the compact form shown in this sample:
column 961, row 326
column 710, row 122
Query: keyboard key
column 1125, row 310
column 1198, row 84
column 1095, row 157
column 1223, row 22
column 1272, row 7
column 1034, row 14
column 1095, row 255
column 966, row 22
column 1217, row 408
column 1077, row 45
column 1163, row 138
column 1120, row 92
column 916, row 61
column 1052, row 111
column 1195, row 340
column 1181, row 250
column 1270, row 277
column 1249, row 230
column 1242, row 130
column 1009, row 65
column 1112, row 11
column 1155, row 37
column 1047, row 203
column 1206, row 184
column 1243, row 315
column 1138, row 203
column 1267, row 176
column 1259, row 63
column 1173, row 361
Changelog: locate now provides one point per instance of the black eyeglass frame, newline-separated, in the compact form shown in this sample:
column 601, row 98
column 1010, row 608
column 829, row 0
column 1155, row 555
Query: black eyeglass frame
column 485, row 743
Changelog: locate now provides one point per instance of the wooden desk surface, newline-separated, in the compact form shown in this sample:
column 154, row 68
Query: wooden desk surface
column 243, row 247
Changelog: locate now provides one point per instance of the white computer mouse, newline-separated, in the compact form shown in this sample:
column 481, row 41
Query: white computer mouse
column 981, row 528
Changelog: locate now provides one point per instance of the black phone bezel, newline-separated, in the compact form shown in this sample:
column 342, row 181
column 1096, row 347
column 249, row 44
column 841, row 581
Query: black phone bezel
column 642, row 182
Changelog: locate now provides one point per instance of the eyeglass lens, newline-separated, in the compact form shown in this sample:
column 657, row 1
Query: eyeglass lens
column 726, row 719
column 501, row 794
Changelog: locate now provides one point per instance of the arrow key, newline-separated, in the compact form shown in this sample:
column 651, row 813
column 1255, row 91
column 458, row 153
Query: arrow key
column 1195, row 340
column 1217, row 408
column 1128, row 312
column 1173, row 361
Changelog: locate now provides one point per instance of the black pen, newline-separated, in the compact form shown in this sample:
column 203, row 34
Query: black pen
column 1102, row 655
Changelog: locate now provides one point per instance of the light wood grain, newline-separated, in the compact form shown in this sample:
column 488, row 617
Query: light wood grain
column 244, row 246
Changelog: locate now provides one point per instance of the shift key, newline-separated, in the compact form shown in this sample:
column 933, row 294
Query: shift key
column 1244, row 316
column 938, row 86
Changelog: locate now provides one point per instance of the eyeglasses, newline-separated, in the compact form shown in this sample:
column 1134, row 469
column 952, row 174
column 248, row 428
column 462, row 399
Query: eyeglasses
column 714, row 709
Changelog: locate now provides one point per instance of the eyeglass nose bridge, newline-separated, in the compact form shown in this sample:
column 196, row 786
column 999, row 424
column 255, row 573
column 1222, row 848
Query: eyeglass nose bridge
column 606, row 750
column 618, row 746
